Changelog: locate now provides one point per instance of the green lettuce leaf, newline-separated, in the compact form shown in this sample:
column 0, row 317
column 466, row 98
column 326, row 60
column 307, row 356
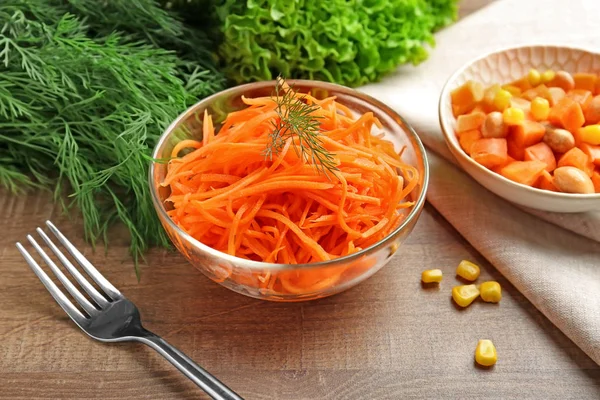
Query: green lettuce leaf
column 347, row 42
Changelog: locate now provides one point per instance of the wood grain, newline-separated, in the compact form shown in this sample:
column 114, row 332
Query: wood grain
column 388, row 338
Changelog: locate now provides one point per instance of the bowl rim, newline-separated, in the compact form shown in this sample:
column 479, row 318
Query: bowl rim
column 448, row 131
column 251, row 264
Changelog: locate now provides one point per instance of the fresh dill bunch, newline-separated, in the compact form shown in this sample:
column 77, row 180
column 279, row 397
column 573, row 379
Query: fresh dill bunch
column 297, row 119
column 143, row 19
column 81, row 112
column 148, row 21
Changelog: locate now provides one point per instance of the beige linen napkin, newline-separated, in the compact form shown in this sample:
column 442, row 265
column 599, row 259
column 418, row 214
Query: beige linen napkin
column 540, row 253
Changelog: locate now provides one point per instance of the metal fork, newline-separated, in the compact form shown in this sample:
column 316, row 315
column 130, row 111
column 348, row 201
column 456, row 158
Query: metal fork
column 113, row 318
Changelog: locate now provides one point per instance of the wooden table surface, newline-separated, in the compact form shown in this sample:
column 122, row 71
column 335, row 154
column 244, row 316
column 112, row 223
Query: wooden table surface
column 387, row 338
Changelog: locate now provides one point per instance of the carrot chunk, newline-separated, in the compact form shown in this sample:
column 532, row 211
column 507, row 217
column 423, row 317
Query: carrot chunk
column 583, row 97
column 546, row 182
column 556, row 95
column 508, row 160
column 528, row 133
column 541, row 152
column 489, row 152
column 524, row 172
column 468, row 122
column 465, row 97
column 585, row 81
column 466, row 139
column 515, row 150
column 489, row 94
column 592, row 151
column 578, row 159
column 596, row 180
column 540, row 91
column 522, row 84
column 478, row 108
column 567, row 114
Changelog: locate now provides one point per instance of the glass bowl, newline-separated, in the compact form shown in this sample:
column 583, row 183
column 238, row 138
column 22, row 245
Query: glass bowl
column 318, row 279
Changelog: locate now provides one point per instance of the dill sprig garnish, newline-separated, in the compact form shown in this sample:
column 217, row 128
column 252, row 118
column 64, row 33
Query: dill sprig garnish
column 297, row 119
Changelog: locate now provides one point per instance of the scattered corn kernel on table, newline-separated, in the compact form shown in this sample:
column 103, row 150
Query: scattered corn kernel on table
column 388, row 338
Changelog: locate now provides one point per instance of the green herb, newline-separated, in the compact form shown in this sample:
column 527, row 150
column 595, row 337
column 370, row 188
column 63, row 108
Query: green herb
column 82, row 108
column 144, row 20
column 297, row 118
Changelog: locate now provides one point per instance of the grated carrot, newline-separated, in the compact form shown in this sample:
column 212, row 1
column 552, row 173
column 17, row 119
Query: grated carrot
column 226, row 194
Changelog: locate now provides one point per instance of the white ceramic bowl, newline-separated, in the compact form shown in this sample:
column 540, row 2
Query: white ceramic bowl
column 504, row 66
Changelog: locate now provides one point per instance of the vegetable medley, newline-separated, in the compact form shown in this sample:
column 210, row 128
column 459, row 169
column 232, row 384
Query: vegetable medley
column 542, row 130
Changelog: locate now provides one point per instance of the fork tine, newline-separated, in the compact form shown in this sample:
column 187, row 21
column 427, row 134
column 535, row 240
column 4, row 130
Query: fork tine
column 85, row 284
column 104, row 284
column 58, row 295
column 85, row 304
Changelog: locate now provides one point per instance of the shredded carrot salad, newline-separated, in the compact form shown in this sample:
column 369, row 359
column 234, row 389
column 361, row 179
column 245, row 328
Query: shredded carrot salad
column 228, row 195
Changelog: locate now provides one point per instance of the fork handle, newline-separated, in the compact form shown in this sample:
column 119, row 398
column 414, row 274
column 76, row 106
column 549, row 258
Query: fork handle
column 211, row 385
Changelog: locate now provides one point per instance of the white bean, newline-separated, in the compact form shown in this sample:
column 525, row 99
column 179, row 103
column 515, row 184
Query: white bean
column 563, row 80
column 493, row 126
column 559, row 140
column 572, row 180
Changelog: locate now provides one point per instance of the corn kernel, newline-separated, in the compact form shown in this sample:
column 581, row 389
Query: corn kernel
column 513, row 116
column 491, row 292
column 465, row 294
column 590, row 134
column 467, row 270
column 534, row 76
column 485, row 353
column 431, row 275
column 547, row 76
column 502, row 99
column 540, row 108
